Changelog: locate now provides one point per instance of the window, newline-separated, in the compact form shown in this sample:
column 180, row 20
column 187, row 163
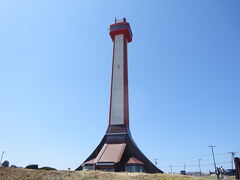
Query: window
column 119, row 27
column 107, row 169
column 134, row 168
column 87, row 167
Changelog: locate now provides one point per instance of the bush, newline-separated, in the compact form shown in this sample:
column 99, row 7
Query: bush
column 32, row 166
column 47, row 168
column 5, row 164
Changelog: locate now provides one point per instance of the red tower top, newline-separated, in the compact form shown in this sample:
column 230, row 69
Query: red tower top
column 121, row 27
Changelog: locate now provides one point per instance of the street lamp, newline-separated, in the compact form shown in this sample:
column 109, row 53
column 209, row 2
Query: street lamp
column 214, row 161
column 199, row 166
column 156, row 162
column 2, row 157
column 232, row 153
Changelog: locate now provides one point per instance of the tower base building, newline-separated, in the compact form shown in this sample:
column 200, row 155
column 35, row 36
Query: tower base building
column 117, row 151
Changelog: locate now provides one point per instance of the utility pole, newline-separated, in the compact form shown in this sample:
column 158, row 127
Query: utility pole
column 2, row 158
column 232, row 156
column 171, row 168
column 199, row 167
column 214, row 161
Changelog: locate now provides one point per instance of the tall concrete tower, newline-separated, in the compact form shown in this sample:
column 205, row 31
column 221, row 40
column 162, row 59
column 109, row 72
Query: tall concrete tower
column 117, row 151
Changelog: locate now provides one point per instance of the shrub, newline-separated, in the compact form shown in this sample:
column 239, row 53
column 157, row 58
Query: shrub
column 32, row 166
column 47, row 168
column 5, row 164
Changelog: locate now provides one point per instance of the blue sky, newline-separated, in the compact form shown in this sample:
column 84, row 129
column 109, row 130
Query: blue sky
column 55, row 68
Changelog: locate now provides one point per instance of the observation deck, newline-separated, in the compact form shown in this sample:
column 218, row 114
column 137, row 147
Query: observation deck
column 121, row 27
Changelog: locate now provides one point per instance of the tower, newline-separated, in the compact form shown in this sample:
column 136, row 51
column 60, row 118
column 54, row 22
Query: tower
column 117, row 151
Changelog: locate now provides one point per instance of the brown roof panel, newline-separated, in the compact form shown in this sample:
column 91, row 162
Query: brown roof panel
column 111, row 153
column 92, row 161
column 100, row 153
column 133, row 160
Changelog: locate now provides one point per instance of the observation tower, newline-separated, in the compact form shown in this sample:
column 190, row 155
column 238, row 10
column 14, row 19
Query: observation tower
column 117, row 151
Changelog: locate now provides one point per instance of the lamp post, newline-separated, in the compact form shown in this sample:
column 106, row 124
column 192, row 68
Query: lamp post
column 199, row 166
column 214, row 161
column 156, row 162
column 2, row 157
column 232, row 153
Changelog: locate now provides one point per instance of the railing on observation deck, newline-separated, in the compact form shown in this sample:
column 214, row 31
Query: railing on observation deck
column 120, row 20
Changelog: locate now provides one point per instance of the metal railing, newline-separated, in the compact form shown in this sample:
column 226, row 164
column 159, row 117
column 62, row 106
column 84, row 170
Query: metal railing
column 120, row 20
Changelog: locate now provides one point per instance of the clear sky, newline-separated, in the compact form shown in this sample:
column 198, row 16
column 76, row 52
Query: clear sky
column 184, row 71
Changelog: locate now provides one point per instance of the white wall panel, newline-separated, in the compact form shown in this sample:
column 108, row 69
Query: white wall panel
column 117, row 84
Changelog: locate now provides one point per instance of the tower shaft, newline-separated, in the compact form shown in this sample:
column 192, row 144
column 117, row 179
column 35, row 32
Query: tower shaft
column 119, row 86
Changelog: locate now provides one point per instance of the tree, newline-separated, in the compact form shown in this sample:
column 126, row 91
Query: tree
column 5, row 164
